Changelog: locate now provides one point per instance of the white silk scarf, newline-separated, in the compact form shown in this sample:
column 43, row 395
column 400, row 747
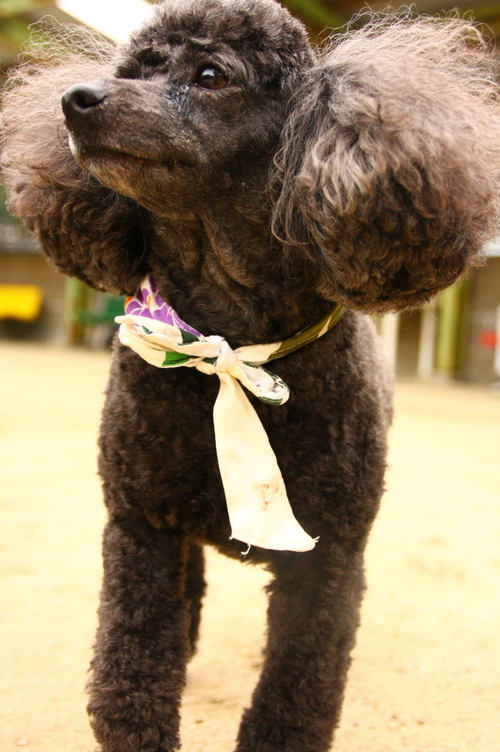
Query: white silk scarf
column 257, row 503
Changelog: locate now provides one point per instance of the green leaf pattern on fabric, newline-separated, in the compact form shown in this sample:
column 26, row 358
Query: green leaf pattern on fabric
column 187, row 337
column 173, row 359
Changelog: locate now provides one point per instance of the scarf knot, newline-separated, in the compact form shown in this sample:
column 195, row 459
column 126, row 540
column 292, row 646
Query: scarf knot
column 227, row 358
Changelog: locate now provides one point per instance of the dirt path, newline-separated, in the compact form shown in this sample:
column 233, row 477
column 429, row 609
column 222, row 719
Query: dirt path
column 426, row 670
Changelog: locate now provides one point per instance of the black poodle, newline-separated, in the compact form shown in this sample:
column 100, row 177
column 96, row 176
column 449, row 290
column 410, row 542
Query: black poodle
column 255, row 185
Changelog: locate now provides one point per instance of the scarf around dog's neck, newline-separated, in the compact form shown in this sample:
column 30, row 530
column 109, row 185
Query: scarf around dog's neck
column 258, row 507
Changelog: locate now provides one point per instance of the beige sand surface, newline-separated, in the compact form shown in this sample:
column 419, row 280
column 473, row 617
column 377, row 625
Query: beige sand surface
column 426, row 670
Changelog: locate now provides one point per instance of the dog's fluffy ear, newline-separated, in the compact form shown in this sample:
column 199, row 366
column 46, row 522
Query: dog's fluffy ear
column 86, row 229
column 388, row 178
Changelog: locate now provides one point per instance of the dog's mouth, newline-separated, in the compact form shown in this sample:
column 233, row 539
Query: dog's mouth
column 127, row 157
column 123, row 156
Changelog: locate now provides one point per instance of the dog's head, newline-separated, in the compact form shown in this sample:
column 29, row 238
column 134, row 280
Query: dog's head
column 381, row 149
column 197, row 102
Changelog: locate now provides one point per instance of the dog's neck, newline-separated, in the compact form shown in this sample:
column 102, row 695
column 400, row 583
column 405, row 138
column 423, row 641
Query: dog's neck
column 226, row 274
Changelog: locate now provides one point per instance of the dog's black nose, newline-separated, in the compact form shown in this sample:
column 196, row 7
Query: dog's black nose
column 79, row 100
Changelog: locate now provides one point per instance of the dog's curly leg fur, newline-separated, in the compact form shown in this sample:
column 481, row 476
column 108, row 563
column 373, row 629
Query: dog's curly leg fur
column 142, row 643
column 194, row 591
column 312, row 619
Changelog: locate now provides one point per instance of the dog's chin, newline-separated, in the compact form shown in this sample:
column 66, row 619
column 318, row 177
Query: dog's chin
column 109, row 159
column 130, row 174
column 157, row 185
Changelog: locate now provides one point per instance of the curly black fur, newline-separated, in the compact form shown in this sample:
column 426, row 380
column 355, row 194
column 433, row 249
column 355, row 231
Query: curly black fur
column 365, row 173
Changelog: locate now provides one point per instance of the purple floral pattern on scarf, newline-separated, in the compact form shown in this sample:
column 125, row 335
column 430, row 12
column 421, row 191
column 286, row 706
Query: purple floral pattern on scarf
column 148, row 303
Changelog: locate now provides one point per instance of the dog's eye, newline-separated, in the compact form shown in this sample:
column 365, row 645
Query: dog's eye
column 210, row 77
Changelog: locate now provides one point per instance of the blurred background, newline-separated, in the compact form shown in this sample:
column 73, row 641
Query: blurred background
column 456, row 337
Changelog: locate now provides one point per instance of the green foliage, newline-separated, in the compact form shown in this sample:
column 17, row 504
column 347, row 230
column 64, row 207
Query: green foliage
column 315, row 13
column 13, row 7
column 4, row 214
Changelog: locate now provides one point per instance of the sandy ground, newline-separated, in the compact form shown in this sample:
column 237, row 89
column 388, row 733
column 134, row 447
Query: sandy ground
column 426, row 669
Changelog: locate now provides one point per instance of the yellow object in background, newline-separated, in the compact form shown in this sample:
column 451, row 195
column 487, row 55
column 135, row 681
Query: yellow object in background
column 23, row 302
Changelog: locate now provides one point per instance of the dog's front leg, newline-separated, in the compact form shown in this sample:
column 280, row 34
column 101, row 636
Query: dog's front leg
column 142, row 645
column 312, row 620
